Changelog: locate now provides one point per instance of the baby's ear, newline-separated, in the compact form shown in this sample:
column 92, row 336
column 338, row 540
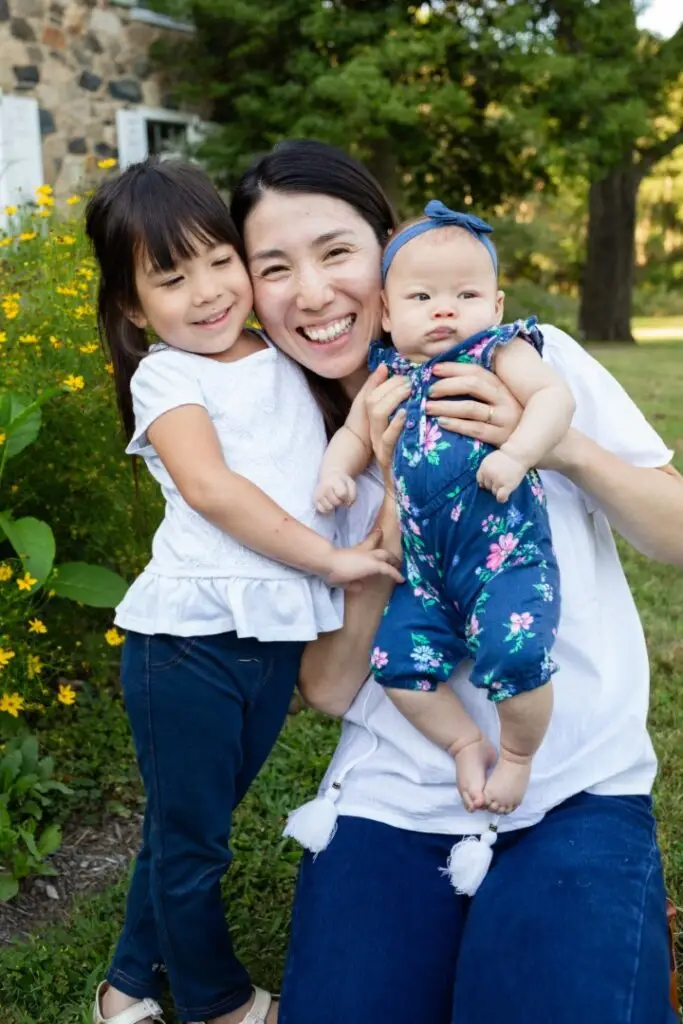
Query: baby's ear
column 500, row 306
column 386, row 321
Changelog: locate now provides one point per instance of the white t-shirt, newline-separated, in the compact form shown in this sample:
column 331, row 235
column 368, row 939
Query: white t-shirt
column 200, row 580
column 597, row 739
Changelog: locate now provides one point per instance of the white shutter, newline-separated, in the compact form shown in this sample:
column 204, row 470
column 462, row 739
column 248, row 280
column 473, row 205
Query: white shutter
column 131, row 129
column 21, row 156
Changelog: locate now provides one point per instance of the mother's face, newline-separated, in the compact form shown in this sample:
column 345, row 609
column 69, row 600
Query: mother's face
column 315, row 266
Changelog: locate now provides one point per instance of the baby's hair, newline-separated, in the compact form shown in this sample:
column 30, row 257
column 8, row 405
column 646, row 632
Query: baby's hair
column 160, row 212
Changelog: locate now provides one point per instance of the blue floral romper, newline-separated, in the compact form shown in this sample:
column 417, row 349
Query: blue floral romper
column 482, row 581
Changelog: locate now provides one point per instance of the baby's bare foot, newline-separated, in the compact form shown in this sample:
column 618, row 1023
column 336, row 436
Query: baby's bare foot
column 472, row 763
column 506, row 786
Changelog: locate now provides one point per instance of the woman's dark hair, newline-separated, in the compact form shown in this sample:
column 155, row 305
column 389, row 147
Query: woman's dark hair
column 304, row 165
column 157, row 211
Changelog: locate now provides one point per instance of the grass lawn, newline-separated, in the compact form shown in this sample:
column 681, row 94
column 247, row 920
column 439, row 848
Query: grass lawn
column 51, row 979
column 658, row 328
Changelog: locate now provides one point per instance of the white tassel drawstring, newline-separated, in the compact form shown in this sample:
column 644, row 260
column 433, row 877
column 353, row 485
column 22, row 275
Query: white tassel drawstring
column 314, row 824
column 470, row 859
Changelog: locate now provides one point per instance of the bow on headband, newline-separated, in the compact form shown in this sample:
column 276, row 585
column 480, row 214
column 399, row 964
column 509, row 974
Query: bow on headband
column 438, row 215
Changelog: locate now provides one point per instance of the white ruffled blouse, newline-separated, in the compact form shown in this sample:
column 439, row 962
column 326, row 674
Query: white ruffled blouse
column 200, row 580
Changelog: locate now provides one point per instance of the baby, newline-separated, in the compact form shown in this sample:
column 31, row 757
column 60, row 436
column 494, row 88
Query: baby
column 481, row 577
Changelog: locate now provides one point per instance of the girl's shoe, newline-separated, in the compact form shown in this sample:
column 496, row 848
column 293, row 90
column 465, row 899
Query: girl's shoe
column 259, row 1008
column 144, row 1009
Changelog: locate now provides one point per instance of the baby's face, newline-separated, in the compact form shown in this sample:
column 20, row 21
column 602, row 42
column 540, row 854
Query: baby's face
column 440, row 290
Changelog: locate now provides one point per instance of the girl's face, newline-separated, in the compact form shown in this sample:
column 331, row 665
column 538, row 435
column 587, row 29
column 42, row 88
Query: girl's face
column 315, row 267
column 200, row 305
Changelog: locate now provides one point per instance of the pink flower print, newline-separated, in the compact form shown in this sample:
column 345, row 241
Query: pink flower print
column 473, row 627
column 414, row 528
column 423, row 684
column 456, row 511
column 537, row 489
column 431, row 437
column 477, row 350
column 499, row 552
column 520, row 622
column 379, row 658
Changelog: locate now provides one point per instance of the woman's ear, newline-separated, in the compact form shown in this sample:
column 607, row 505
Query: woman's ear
column 386, row 320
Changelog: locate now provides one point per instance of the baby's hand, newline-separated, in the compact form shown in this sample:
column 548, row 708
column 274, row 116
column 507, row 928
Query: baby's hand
column 334, row 489
column 501, row 474
column 348, row 565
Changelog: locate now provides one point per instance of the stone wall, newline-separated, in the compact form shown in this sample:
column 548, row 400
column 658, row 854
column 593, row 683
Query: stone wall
column 81, row 60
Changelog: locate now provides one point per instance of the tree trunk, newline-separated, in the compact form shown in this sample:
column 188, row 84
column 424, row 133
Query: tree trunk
column 383, row 165
column 607, row 287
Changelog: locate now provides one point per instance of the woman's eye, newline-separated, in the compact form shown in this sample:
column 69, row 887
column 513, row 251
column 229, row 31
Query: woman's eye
column 339, row 251
column 272, row 271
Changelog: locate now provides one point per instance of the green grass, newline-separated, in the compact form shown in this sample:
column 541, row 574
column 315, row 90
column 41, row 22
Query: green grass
column 51, row 979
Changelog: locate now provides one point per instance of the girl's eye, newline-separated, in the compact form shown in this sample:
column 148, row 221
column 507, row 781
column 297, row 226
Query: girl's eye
column 171, row 281
column 222, row 261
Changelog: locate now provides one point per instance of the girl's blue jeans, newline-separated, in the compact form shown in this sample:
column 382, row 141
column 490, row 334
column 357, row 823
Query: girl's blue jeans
column 569, row 926
column 205, row 713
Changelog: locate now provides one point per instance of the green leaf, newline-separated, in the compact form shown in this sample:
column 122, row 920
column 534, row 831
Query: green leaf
column 21, row 422
column 89, row 584
column 33, row 541
column 50, row 840
column 30, row 842
column 29, row 753
column 9, row 887
column 33, row 808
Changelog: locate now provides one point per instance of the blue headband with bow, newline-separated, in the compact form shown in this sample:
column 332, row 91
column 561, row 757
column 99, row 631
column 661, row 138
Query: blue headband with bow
column 439, row 216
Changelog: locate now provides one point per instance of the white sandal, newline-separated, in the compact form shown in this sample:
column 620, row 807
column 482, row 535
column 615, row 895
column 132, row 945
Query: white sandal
column 144, row 1009
column 259, row 1008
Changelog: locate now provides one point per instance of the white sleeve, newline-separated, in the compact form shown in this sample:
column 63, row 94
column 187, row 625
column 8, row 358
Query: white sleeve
column 163, row 381
column 604, row 411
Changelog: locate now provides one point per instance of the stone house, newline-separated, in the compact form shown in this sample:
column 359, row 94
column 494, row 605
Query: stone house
column 76, row 87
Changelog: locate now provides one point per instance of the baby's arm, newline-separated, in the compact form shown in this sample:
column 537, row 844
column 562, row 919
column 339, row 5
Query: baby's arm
column 348, row 454
column 548, row 411
column 186, row 442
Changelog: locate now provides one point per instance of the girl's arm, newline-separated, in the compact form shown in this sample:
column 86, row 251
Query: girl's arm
column 186, row 442
column 547, row 402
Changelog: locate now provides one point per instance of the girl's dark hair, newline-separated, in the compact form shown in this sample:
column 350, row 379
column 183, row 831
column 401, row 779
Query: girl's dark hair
column 158, row 211
column 304, row 165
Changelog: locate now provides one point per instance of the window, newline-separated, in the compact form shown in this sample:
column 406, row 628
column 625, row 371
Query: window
column 146, row 131
column 21, row 157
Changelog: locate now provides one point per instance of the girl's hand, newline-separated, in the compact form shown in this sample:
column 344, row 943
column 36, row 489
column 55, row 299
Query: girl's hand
column 488, row 413
column 383, row 398
column 350, row 565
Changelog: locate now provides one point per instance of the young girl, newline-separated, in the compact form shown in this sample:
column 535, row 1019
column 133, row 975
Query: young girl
column 238, row 578
column 482, row 578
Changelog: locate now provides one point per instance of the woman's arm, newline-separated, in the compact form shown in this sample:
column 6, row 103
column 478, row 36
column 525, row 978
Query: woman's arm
column 644, row 505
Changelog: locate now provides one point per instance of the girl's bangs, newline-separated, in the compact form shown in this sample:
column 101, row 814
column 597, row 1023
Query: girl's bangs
column 172, row 222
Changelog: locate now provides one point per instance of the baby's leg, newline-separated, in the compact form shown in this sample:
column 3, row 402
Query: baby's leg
column 523, row 723
column 440, row 716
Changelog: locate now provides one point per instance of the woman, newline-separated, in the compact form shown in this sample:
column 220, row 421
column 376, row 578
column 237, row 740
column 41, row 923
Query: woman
column 569, row 924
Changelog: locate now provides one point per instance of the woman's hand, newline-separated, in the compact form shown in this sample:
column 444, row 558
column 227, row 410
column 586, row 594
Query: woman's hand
column 488, row 413
column 382, row 398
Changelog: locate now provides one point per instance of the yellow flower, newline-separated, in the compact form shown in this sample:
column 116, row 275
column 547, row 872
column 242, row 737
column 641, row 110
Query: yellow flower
column 5, row 657
column 86, row 272
column 3, row 337
column 28, row 236
column 6, row 573
column 3, row 437
column 55, row 342
column 27, row 582
column 44, row 213
column 65, row 240
column 81, row 311
column 36, row 626
column 74, row 383
column 109, row 367
column 28, row 339
column 5, row 242
column 88, row 349
column 35, row 666
column 67, row 694
column 10, row 210
column 113, row 637
column 62, row 289
column 44, row 190
column 105, row 165
column 72, row 200
column 12, row 703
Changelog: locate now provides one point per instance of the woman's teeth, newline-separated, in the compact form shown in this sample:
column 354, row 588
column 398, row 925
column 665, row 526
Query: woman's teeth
column 329, row 333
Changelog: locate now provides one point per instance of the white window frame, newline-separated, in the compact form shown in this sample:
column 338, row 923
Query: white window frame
column 21, row 152
column 131, row 130
column 153, row 17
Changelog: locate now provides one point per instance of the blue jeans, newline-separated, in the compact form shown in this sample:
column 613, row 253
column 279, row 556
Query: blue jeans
column 568, row 927
column 205, row 713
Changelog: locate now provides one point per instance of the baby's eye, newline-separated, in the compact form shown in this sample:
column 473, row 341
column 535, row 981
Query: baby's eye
column 420, row 296
column 468, row 295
